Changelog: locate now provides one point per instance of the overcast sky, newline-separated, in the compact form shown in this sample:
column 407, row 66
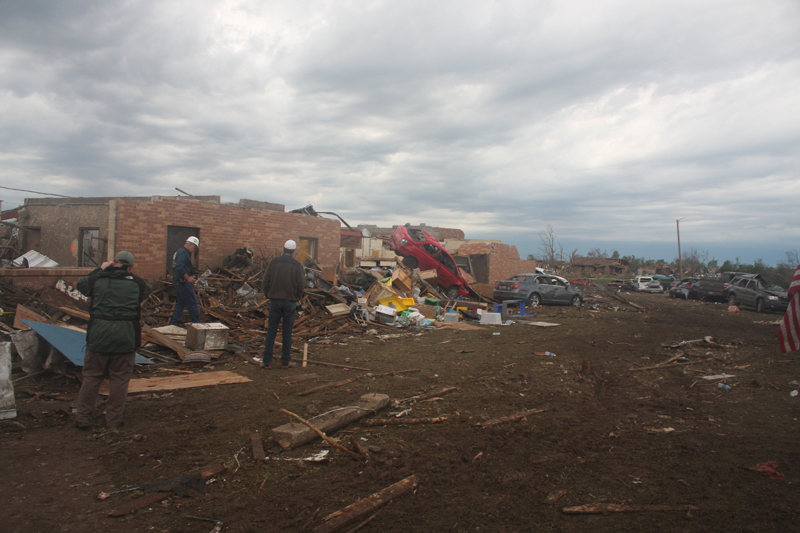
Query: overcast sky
column 607, row 120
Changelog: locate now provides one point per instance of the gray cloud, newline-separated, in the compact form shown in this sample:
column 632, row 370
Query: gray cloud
column 608, row 120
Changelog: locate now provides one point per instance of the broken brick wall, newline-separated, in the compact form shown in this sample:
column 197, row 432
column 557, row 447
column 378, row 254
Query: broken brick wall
column 141, row 228
column 504, row 260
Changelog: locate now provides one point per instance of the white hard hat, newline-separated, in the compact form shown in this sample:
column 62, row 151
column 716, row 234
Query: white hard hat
column 290, row 245
column 194, row 240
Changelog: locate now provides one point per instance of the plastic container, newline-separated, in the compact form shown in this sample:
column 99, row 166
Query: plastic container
column 549, row 354
column 723, row 386
column 491, row 318
column 451, row 316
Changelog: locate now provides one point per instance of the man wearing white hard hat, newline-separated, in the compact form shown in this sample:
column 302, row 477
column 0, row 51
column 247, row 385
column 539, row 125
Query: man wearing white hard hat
column 283, row 284
column 183, row 280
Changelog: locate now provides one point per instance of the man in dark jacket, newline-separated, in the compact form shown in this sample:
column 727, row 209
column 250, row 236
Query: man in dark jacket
column 183, row 280
column 113, row 335
column 242, row 258
column 283, row 284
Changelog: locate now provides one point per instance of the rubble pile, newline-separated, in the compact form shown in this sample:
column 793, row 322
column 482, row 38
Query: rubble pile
column 352, row 302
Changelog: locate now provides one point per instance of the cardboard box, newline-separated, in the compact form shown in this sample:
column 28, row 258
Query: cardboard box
column 428, row 311
column 430, row 276
column 401, row 280
column 212, row 336
column 378, row 291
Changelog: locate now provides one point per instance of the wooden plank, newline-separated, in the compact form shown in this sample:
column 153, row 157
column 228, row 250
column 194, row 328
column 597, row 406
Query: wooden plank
column 23, row 313
column 74, row 312
column 161, row 339
column 204, row 379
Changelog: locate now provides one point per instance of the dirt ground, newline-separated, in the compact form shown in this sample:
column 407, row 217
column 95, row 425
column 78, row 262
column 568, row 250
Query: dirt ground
column 606, row 434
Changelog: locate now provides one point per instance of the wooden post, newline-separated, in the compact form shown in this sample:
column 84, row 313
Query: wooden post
column 305, row 354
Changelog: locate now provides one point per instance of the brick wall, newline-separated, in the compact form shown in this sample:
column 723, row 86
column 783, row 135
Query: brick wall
column 142, row 230
column 504, row 260
column 36, row 278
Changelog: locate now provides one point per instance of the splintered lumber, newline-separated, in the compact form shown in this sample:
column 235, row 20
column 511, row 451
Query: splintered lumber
column 512, row 418
column 162, row 340
column 356, row 378
column 604, row 508
column 323, row 436
column 340, row 519
column 204, row 379
column 258, row 447
column 403, row 421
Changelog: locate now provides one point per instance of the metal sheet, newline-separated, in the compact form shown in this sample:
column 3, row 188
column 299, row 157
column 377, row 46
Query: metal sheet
column 69, row 342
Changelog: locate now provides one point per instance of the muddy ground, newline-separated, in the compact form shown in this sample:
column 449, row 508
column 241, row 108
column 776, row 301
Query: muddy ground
column 607, row 434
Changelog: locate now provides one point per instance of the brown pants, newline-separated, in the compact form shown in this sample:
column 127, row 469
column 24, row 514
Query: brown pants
column 96, row 365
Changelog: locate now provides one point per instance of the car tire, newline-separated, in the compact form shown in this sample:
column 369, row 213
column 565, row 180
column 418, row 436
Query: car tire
column 732, row 300
column 761, row 306
column 410, row 262
column 576, row 301
column 452, row 292
column 535, row 299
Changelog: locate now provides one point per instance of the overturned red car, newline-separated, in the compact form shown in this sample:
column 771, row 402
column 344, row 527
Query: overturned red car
column 420, row 250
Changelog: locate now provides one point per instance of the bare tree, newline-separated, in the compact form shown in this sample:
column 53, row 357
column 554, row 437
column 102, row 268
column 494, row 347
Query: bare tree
column 549, row 241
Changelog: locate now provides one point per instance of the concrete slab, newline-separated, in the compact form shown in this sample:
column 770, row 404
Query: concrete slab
column 295, row 434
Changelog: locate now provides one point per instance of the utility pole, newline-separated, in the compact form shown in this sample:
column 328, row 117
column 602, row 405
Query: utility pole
column 680, row 257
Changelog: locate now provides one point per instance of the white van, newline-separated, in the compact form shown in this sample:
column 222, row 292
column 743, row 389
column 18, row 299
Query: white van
column 646, row 284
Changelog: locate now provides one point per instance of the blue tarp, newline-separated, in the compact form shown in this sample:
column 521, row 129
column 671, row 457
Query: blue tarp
column 69, row 342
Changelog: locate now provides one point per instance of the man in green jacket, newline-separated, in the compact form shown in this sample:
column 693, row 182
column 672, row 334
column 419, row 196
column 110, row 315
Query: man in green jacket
column 112, row 337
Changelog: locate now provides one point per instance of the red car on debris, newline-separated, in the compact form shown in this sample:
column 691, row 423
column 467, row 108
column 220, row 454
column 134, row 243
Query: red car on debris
column 420, row 250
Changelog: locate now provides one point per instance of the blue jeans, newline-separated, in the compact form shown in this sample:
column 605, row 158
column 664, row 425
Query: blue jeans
column 280, row 309
column 186, row 300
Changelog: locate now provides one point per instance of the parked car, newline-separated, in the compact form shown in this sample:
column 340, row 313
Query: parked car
column 420, row 250
column 538, row 288
column 540, row 270
column 752, row 290
column 647, row 284
column 665, row 281
column 685, row 288
column 716, row 289
column 620, row 285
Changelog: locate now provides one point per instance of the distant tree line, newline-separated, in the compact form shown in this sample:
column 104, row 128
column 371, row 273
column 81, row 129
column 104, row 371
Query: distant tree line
column 695, row 262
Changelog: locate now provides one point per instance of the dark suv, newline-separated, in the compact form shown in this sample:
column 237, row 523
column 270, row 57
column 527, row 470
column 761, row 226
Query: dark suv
column 755, row 291
column 420, row 250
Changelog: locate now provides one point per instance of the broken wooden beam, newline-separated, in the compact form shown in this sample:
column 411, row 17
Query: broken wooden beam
column 323, row 436
column 340, row 519
column 292, row 435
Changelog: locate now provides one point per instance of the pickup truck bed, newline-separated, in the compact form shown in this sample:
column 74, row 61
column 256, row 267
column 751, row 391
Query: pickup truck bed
column 711, row 289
